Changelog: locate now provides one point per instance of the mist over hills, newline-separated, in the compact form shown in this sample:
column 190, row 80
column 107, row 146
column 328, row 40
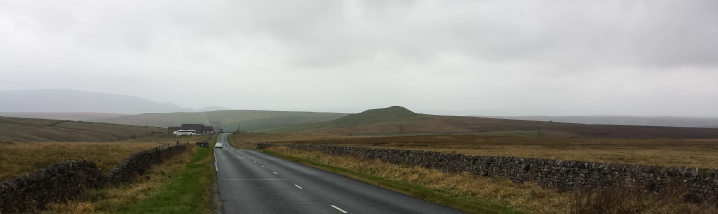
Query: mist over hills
column 61, row 100
column 398, row 120
column 229, row 120
column 130, row 110
column 707, row 122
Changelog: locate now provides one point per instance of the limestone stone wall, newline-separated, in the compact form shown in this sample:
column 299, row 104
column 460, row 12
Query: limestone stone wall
column 562, row 175
column 68, row 179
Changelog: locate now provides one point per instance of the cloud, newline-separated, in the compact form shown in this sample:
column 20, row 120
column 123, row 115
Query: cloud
column 458, row 57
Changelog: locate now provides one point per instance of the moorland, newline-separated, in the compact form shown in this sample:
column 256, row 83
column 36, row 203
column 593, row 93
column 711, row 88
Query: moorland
column 397, row 128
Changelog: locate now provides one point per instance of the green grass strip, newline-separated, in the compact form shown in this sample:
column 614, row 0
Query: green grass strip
column 453, row 200
column 189, row 191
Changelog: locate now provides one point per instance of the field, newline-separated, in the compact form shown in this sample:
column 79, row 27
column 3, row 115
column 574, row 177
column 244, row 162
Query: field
column 528, row 197
column 189, row 170
column 701, row 153
column 226, row 119
column 399, row 121
column 20, row 158
column 43, row 130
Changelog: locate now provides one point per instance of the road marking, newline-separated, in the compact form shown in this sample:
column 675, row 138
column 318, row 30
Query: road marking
column 340, row 209
column 297, row 186
column 216, row 168
column 240, row 179
column 275, row 173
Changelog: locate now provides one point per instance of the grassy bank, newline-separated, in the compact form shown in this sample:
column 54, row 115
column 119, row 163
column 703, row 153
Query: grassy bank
column 178, row 185
column 21, row 158
column 496, row 195
column 458, row 191
column 189, row 191
column 699, row 153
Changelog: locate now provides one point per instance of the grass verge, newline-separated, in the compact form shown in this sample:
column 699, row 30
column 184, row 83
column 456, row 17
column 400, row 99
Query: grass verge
column 187, row 192
column 180, row 184
column 440, row 196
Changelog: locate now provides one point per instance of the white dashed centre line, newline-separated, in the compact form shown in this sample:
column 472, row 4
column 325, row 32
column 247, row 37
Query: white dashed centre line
column 340, row 209
column 297, row 186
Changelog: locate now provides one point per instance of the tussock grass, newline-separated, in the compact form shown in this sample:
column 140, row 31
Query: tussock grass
column 43, row 130
column 21, row 158
column 180, row 184
column 492, row 191
column 495, row 193
column 700, row 153
column 633, row 200
column 188, row 190
column 249, row 140
column 112, row 199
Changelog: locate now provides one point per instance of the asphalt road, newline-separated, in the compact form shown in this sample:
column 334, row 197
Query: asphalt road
column 252, row 182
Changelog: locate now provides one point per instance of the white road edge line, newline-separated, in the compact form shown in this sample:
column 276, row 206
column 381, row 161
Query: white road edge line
column 216, row 168
column 297, row 186
column 242, row 179
column 340, row 209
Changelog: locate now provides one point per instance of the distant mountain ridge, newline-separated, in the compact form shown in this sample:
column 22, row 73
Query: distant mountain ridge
column 62, row 100
column 708, row 122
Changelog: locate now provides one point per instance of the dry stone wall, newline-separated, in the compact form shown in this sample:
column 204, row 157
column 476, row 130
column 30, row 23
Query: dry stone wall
column 561, row 175
column 68, row 179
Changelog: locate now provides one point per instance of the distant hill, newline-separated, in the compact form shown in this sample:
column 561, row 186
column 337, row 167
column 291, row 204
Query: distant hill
column 75, row 116
column 392, row 114
column 42, row 130
column 28, row 101
column 625, row 120
column 400, row 121
column 369, row 121
column 230, row 120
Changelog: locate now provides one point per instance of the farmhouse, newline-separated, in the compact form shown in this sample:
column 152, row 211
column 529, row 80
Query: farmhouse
column 199, row 128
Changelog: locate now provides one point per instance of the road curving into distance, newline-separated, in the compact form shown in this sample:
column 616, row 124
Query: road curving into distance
column 252, row 182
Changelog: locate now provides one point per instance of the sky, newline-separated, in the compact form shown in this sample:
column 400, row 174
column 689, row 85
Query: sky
column 458, row 57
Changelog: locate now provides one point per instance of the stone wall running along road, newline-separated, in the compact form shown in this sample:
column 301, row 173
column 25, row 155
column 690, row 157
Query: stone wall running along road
column 252, row 182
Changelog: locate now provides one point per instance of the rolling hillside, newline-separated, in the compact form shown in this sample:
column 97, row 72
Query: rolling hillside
column 42, row 130
column 229, row 120
column 397, row 120
column 76, row 116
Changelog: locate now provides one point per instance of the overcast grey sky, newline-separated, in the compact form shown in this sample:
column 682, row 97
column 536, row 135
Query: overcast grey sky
column 455, row 57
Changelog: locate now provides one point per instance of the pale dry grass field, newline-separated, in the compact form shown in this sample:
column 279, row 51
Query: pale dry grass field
column 20, row 158
column 698, row 153
column 249, row 140
column 107, row 200
column 501, row 191
column 528, row 197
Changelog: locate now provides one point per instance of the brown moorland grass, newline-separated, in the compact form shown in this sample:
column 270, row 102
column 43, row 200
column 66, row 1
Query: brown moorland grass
column 527, row 196
column 108, row 200
column 700, row 153
column 20, row 158
column 42, row 130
